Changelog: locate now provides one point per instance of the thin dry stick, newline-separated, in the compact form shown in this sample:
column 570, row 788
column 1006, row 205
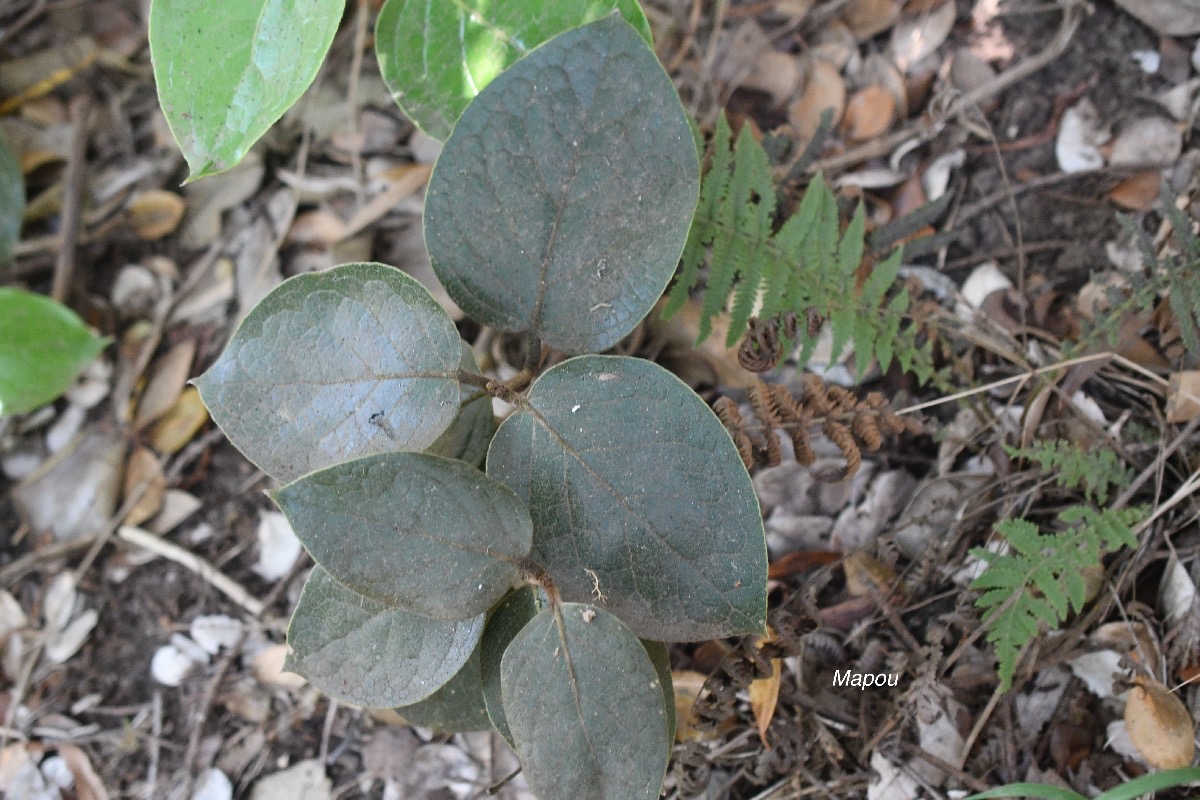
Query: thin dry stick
column 356, row 60
column 929, row 126
column 155, row 744
column 173, row 552
column 72, row 210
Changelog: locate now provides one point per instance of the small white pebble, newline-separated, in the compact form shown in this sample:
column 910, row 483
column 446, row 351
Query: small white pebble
column 169, row 666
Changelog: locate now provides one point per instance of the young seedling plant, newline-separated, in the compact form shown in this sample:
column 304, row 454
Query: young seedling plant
column 612, row 512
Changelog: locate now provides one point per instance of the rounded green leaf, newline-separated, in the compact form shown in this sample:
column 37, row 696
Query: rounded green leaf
column 367, row 653
column 503, row 624
column 561, row 202
column 227, row 71
column 43, row 348
column 585, row 707
column 639, row 499
column 425, row 533
column 471, row 432
column 12, row 200
column 454, row 708
column 436, row 56
column 335, row 365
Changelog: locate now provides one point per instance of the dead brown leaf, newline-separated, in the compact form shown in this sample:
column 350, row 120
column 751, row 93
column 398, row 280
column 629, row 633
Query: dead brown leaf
column 1183, row 396
column 869, row 113
column 168, row 376
column 155, row 214
column 143, row 467
column 87, row 783
column 866, row 18
column 1159, row 725
column 764, row 694
column 825, row 89
column 180, row 424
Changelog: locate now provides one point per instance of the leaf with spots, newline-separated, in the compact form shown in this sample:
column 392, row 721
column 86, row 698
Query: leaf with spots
column 586, row 707
column 561, row 202
column 415, row 531
column 436, row 56
column 227, row 71
column 336, row 365
column 639, row 500
column 368, row 653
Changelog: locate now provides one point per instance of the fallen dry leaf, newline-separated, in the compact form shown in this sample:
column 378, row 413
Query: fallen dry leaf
column 778, row 74
column 267, row 666
column 143, row 467
column 155, row 214
column 1183, row 396
column 1138, row 192
column 1148, row 140
column 180, row 424
column 865, row 18
column 168, row 376
column 688, row 685
column 305, row 779
column 1159, row 725
column 919, row 35
column 869, row 113
column 1080, row 135
column 764, row 693
column 75, row 492
column 824, row 89
column 87, row 783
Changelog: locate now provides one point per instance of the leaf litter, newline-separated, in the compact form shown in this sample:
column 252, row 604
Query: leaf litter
column 877, row 564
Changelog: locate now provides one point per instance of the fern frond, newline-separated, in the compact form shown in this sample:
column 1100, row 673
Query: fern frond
column 805, row 267
column 1092, row 471
column 1040, row 580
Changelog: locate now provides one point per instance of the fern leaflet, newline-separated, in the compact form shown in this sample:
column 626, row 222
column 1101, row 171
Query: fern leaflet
column 1041, row 579
column 1093, row 471
column 804, row 266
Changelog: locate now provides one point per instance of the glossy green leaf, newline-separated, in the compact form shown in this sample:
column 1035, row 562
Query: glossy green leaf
column 585, row 707
column 227, row 71
column 561, row 202
column 12, row 200
column 639, row 499
column 43, row 348
column 471, row 432
column 436, row 55
column 424, row 533
column 503, row 624
column 456, row 707
column 367, row 653
column 335, row 365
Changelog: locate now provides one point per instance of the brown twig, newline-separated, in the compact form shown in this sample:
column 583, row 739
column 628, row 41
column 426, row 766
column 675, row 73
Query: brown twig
column 72, row 209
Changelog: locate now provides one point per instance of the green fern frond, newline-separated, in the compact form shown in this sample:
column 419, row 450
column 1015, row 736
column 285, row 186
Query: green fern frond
column 1040, row 581
column 806, row 265
column 1092, row 471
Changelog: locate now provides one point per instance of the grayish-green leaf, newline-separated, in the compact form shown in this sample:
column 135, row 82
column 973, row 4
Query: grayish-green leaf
column 12, row 200
column 436, row 55
column 456, row 707
column 638, row 496
column 471, row 432
column 336, row 365
column 425, row 533
column 227, row 71
column 561, row 202
column 364, row 652
column 657, row 651
column 503, row 624
column 43, row 348
column 585, row 707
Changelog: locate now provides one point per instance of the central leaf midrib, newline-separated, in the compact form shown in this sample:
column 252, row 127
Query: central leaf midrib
column 535, row 323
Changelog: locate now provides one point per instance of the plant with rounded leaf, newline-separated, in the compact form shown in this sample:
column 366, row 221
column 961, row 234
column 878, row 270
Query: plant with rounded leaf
column 612, row 513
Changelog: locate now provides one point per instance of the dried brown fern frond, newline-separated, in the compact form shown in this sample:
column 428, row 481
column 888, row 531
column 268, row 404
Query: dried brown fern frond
column 852, row 424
